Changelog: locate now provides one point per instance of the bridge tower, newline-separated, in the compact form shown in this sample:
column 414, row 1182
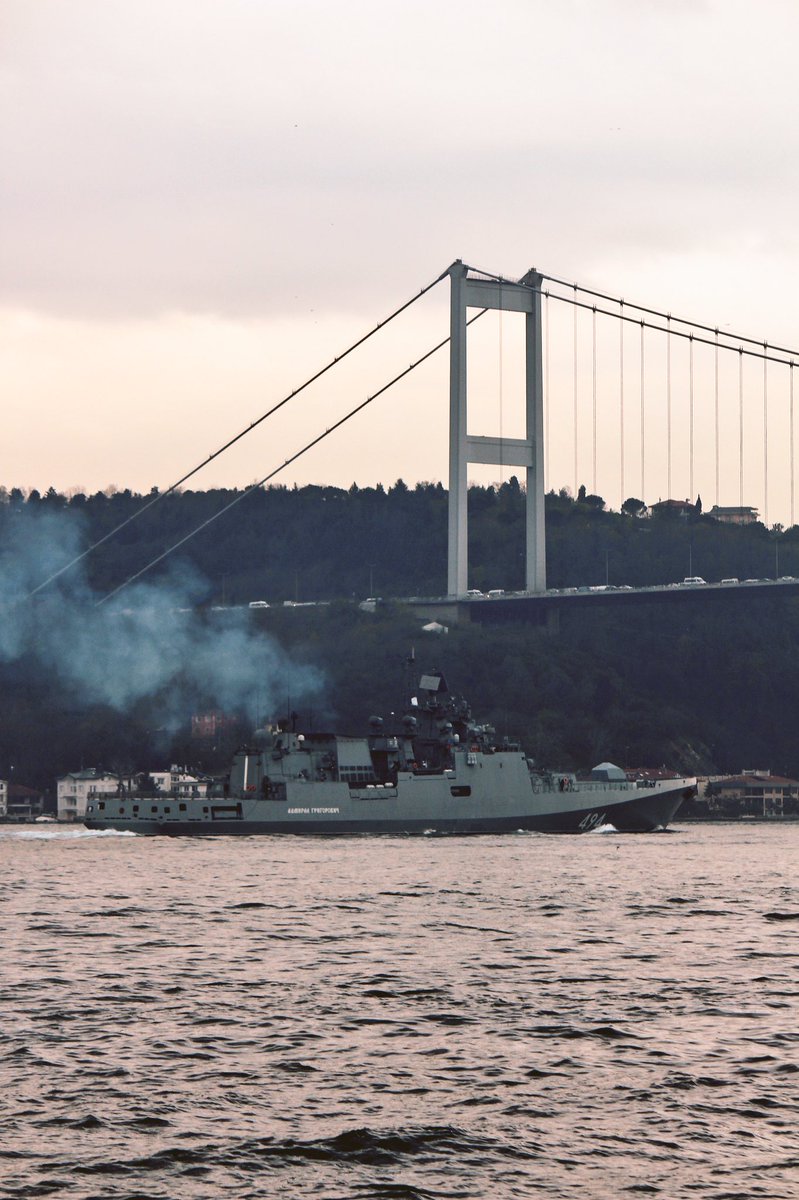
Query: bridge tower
column 528, row 452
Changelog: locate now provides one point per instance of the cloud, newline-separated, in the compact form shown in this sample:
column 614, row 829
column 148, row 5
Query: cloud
column 183, row 156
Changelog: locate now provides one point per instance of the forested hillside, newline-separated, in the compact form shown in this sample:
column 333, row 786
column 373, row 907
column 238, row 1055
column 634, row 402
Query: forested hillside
column 321, row 543
column 698, row 689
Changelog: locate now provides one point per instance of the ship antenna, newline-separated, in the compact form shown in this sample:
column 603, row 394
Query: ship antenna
column 410, row 667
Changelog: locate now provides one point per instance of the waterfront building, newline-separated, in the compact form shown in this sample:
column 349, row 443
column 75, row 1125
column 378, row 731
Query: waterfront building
column 24, row 803
column 754, row 793
column 76, row 788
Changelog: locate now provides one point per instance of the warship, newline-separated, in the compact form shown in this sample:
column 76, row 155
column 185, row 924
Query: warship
column 434, row 771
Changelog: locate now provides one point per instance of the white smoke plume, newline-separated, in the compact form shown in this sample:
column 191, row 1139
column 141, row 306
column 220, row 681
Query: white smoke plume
column 149, row 640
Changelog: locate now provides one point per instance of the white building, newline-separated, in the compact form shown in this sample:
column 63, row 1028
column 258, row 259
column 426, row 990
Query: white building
column 180, row 782
column 3, row 798
column 78, row 787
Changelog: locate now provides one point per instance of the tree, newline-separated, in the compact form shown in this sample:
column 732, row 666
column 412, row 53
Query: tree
column 596, row 503
column 632, row 507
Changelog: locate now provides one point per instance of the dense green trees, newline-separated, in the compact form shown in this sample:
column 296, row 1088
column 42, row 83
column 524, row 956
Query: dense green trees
column 698, row 688
column 318, row 543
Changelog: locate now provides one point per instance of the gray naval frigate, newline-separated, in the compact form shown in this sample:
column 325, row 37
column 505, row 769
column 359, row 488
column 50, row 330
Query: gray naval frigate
column 438, row 772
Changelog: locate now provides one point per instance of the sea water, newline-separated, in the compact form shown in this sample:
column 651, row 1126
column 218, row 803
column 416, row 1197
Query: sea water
column 595, row 1016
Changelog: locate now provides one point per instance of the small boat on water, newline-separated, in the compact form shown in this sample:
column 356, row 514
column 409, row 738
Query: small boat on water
column 438, row 772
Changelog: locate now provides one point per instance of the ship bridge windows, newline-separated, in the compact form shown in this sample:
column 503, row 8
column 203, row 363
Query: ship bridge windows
column 357, row 775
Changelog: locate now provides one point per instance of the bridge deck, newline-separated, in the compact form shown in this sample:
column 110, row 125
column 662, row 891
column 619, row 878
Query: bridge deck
column 522, row 606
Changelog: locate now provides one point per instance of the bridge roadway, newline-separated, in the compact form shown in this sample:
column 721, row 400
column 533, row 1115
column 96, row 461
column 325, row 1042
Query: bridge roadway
column 544, row 608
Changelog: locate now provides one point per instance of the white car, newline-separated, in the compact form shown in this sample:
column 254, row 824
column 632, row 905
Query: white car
column 495, row 592
column 693, row 580
column 259, row 604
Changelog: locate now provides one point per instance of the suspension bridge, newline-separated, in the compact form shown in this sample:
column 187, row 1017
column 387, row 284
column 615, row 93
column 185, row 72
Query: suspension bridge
column 617, row 395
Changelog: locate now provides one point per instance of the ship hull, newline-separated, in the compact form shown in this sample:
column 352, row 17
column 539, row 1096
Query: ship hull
column 633, row 811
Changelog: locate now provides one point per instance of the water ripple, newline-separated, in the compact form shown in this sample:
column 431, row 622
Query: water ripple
column 400, row 1019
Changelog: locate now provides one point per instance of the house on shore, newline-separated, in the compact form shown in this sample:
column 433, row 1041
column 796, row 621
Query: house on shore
column 75, row 789
column 753, row 793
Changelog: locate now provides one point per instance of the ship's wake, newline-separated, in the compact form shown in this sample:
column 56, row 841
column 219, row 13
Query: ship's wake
column 46, row 835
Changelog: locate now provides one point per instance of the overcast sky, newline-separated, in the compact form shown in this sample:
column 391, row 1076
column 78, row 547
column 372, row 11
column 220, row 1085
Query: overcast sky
column 203, row 200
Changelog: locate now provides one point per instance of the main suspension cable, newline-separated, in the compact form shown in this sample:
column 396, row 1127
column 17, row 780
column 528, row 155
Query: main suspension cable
column 672, row 333
column 652, row 312
column 260, row 483
column 232, row 441
column 696, row 333
column 736, row 338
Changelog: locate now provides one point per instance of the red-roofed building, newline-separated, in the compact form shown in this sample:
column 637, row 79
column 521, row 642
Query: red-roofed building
column 673, row 508
column 24, row 803
column 756, row 793
column 209, row 725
